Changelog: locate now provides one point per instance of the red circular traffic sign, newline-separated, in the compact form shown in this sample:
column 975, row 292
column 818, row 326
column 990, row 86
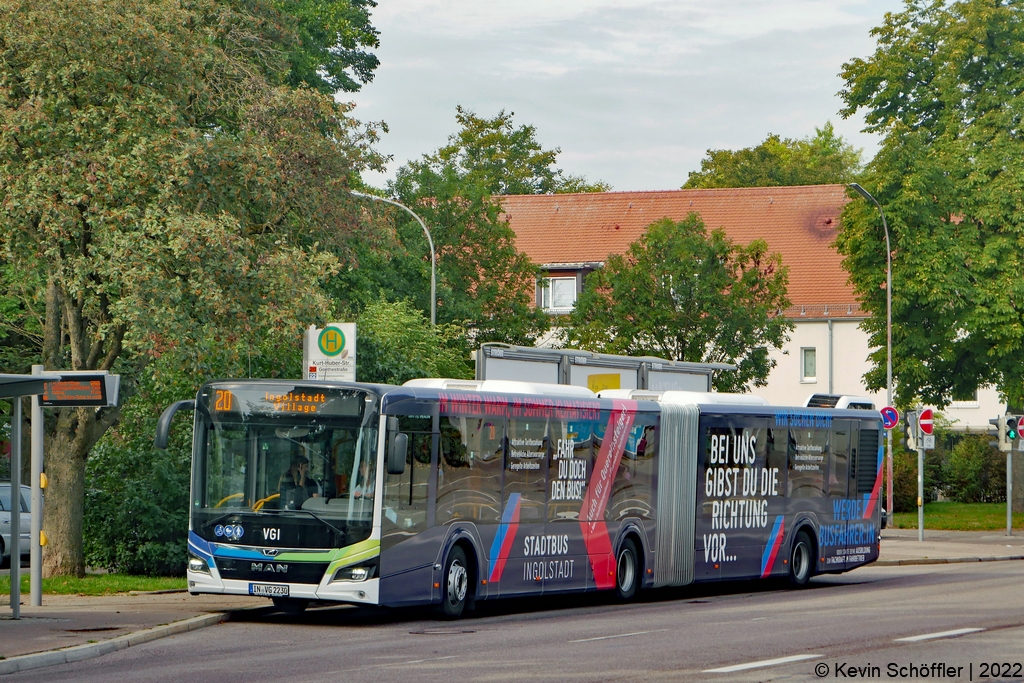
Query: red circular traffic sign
column 890, row 417
column 925, row 420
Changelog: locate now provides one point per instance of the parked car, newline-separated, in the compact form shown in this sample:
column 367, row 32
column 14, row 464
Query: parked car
column 6, row 508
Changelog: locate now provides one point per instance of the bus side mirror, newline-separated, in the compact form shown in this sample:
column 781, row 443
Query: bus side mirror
column 398, row 451
column 163, row 426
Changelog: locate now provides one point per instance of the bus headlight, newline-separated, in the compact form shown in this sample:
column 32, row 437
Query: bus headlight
column 197, row 564
column 357, row 572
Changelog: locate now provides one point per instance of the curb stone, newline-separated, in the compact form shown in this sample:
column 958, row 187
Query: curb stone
column 943, row 560
column 90, row 650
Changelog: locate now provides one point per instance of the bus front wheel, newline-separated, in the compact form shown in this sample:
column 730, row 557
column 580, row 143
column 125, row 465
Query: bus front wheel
column 456, row 584
column 801, row 560
column 627, row 571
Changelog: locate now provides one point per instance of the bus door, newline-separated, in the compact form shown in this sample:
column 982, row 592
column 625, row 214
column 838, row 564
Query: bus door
column 865, row 489
column 843, row 506
column 574, row 446
column 739, row 501
column 522, row 552
column 407, row 549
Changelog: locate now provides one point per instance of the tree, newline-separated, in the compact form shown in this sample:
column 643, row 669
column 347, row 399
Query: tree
column 499, row 158
column 397, row 343
column 683, row 294
column 943, row 89
column 818, row 160
column 329, row 52
column 161, row 197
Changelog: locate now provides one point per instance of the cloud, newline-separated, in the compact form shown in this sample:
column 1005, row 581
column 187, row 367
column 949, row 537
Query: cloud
column 633, row 91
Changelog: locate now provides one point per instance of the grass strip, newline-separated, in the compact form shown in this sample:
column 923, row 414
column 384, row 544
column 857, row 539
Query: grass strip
column 96, row 584
column 960, row 517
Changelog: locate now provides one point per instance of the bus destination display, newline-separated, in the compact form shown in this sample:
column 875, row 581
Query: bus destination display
column 84, row 391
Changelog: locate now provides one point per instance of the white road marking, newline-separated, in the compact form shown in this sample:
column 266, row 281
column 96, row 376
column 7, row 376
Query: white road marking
column 763, row 662
column 620, row 635
column 435, row 659
column 940, row 634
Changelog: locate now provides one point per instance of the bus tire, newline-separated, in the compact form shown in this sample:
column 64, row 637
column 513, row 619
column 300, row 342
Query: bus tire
column 801, row 559
column 627, row 571
column 291, row 605
column 454, row 584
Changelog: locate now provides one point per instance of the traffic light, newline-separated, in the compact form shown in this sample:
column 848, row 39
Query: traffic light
column 999, row 426
column 1009, row 433
column 1006, row 431
column 910, row 431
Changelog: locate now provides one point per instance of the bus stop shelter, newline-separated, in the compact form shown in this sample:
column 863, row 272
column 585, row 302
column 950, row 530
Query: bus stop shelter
column 16, row 387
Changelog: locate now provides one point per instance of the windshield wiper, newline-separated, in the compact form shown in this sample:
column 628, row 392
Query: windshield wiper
column 323, row 521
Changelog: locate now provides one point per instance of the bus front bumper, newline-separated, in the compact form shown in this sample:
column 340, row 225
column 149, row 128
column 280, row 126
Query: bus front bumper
column 355, row 592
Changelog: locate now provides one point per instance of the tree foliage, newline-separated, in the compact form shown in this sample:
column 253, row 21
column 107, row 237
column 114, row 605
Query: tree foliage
column 499, row 158
column 816, row 160
column 397, row 343
column 684, row 294
column 943, row 88
column 329, row 51
column 159, row 192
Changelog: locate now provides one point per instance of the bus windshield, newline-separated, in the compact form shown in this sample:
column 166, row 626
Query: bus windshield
column 304, row 456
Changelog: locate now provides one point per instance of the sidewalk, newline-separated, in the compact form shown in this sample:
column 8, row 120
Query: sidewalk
column 91, row 626
column 901, row 547
column 94, row 625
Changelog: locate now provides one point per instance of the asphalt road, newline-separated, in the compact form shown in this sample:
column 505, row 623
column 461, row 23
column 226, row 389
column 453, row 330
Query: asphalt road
column 847, row 623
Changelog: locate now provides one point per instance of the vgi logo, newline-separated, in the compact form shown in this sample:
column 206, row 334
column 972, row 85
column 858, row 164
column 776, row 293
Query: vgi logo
column 271, row 534
column 231, row 532
column 269, row 568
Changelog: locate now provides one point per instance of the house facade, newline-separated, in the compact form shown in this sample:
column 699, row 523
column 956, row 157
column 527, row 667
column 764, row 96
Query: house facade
column 572, row 235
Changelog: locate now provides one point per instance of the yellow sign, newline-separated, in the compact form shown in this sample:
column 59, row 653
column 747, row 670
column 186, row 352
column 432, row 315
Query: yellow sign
column 598, row 383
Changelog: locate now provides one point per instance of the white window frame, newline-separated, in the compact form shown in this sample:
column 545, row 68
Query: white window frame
column 546, row 294
column 804, row 377
column 974, row 403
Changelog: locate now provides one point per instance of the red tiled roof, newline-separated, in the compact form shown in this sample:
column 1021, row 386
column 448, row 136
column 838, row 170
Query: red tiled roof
column 798, row 222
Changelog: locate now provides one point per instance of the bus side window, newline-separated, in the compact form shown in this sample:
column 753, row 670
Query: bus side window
column 526, row 466
column 469, row 469
column 631, row 492
column 808, row 454
column 839, row 460
column 405, row 495
column 570, row 465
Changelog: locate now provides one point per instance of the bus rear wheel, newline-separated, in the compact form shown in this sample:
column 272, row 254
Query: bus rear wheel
column 627, row 571
column 291, row 605
column 801, row 560
column 455, row 584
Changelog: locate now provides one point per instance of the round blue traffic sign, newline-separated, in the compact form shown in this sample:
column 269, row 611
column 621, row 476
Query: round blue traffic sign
column 890, row 417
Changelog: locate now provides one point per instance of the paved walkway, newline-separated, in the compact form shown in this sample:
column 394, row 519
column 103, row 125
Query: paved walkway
column 67, row 628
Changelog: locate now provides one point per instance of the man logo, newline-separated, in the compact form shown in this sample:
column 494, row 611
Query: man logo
column 331, row 341
column 268, row 568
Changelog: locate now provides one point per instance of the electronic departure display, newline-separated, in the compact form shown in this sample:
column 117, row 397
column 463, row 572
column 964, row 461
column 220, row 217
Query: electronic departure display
column 240, row 399
column 85, row 390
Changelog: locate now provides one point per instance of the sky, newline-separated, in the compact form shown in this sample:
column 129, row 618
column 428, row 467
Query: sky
column 633, row 92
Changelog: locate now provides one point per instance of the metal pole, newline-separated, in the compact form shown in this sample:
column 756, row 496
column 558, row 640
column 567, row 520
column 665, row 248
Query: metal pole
column 36, row 550
column 430, row 241
column 1009, row 491
column 888, row 348
column 920, row 491
column 16, row 505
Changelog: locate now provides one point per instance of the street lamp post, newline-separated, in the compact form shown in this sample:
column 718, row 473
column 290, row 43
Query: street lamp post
column 888, row 342
column 430, row 241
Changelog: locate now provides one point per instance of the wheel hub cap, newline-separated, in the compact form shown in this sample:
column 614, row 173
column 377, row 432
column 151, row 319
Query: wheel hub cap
column 457, row 583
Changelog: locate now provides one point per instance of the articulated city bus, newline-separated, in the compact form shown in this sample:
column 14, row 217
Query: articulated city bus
column 449, row 492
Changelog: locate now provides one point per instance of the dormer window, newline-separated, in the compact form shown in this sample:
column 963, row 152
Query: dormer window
column 558, row 294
